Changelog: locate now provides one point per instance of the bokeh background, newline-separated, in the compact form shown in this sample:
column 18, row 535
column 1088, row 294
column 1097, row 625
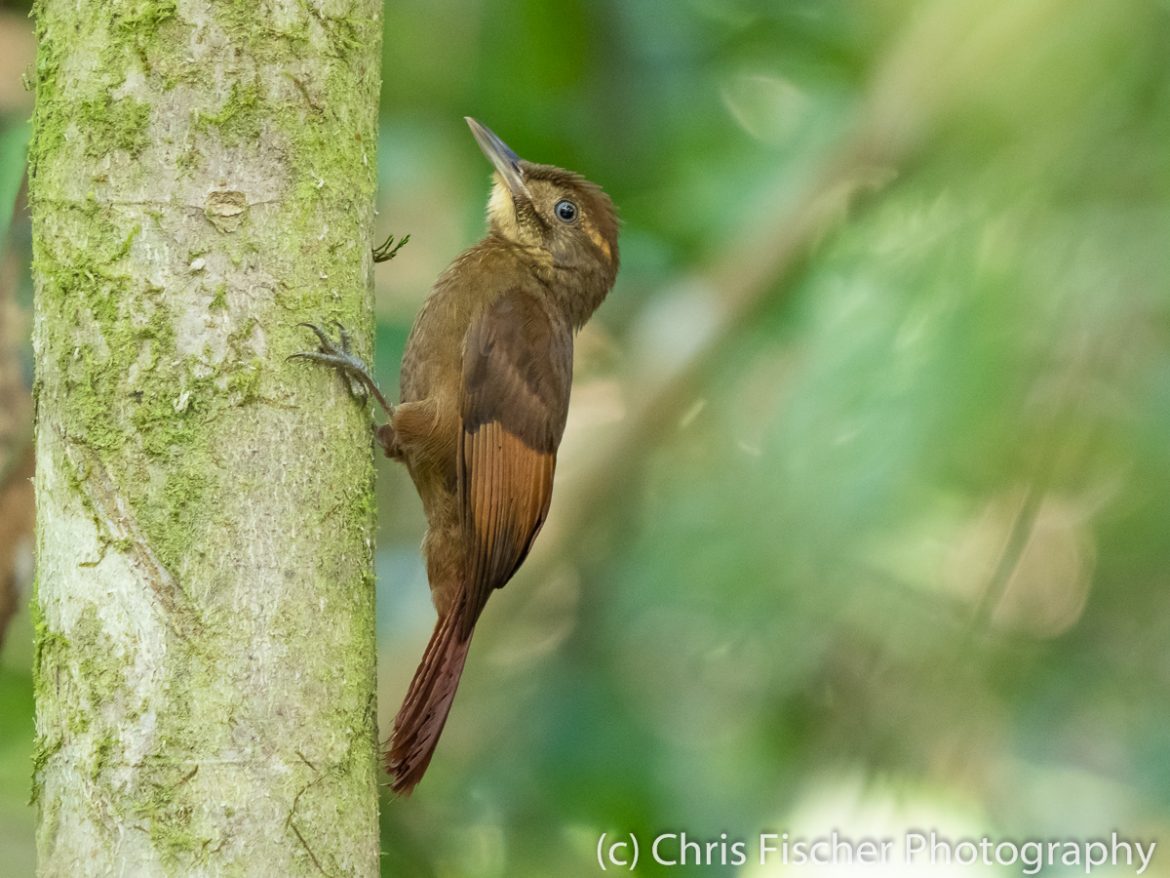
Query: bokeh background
column 863, row 513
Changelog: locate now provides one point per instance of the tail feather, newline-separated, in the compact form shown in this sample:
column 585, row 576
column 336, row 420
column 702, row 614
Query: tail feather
column 423, row 714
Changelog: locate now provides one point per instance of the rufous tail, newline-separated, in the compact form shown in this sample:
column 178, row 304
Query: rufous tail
column 423, row 714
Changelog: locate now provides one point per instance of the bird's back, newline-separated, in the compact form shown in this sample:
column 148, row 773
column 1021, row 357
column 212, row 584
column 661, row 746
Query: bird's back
column 432, row 361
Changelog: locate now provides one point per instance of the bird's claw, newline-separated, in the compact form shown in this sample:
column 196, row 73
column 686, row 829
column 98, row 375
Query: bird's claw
column 327, row 344
column 339, row 355
column 387, row 250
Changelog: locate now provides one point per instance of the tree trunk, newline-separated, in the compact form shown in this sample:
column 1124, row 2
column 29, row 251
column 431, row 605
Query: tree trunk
column 201, row 180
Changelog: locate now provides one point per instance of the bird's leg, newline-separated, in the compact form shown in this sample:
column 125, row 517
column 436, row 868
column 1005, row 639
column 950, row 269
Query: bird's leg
column 361, row 382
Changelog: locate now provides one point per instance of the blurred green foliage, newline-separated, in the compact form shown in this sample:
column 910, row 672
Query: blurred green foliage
column 902, row 557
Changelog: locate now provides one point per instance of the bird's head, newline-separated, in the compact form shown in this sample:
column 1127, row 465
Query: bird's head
column 568, row 221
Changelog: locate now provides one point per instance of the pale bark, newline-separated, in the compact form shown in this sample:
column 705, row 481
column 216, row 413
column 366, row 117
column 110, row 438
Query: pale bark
column 202, row 179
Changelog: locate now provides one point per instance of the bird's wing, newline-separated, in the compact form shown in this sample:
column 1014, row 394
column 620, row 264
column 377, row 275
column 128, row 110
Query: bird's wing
column 517, row 369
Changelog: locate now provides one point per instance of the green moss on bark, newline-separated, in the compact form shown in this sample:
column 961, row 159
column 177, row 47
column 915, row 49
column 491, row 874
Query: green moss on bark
column 108, row 123
column 164, row 808
column 47, row 645
column 240, row 117
column 138, row 21
column 100, row 669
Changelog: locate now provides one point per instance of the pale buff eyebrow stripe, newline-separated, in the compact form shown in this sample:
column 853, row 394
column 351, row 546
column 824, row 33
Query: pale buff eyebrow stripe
column 601, row 243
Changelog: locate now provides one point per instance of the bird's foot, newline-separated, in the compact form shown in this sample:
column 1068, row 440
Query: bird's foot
column 339, row 356
column 387, row 250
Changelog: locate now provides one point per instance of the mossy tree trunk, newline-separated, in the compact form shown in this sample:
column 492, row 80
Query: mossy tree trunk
column 202, row 180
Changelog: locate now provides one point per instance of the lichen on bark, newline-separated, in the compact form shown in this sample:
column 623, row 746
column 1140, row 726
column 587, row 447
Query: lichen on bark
column 201, row 180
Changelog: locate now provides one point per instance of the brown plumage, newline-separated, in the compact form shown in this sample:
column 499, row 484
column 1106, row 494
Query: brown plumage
column 484, row 398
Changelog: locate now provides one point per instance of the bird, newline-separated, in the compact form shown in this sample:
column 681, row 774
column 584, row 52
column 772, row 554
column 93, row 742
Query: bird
column 484, row 396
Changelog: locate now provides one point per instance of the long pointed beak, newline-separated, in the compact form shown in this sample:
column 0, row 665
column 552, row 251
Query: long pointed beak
column 506, row 162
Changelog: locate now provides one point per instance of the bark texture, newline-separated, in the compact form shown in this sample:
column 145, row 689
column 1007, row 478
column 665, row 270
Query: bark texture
column 201, row 179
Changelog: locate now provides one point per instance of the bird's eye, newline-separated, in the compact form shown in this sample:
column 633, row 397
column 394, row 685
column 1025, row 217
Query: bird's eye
column 565, row 210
